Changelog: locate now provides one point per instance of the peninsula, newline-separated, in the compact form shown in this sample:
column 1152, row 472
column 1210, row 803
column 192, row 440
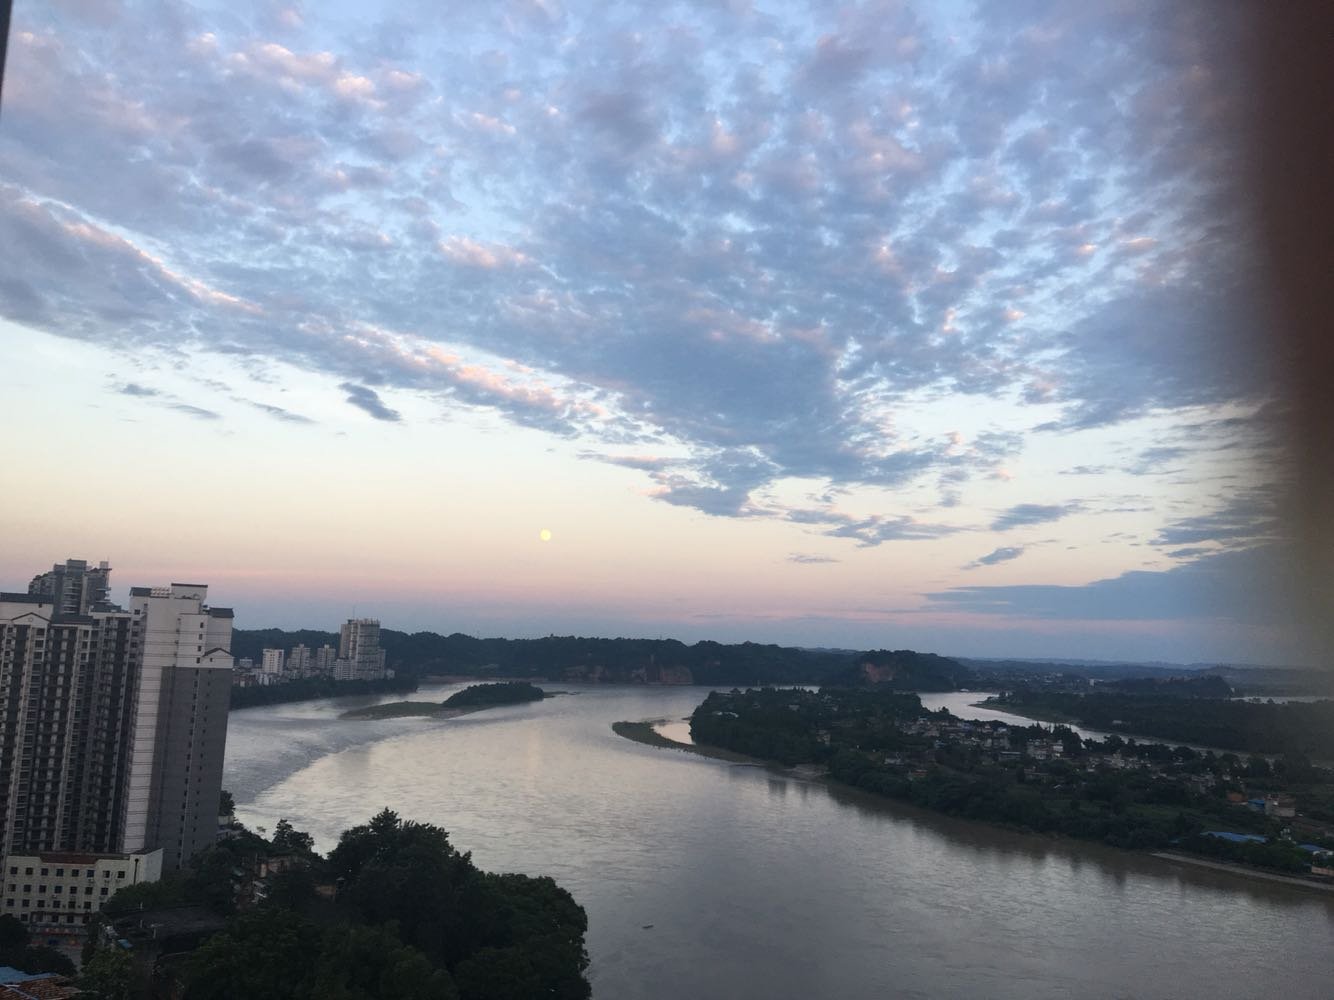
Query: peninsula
column 1244, row 812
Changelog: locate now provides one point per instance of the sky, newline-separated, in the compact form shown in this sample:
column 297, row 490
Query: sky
column 856, row 325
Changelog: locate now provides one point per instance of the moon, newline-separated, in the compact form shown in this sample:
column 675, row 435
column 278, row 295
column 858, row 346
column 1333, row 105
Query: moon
column 545, row 534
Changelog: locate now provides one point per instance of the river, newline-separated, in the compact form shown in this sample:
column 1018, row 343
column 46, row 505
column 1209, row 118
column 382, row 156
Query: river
column 757, row 885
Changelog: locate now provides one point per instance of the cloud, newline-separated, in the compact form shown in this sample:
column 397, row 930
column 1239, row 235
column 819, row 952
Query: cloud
column 809, row 559
column 760, row 241
column 135, row 389
column 194, row 411
column 1243, row 518
column 367, row 399
column 278, row 413
column 1025, row 514
column 995, row 556
column 1245, row 587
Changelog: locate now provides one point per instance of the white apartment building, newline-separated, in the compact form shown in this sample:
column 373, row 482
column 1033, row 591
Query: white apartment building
column 60, row 892
column 271, row 662
column 113, row 733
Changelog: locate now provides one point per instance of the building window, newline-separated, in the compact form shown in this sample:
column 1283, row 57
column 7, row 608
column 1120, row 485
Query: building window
column 104, row 891
column 13, row 870
column 120, row 874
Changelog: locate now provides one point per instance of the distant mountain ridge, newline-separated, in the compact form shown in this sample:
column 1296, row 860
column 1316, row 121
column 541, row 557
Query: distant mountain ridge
column 904, row 670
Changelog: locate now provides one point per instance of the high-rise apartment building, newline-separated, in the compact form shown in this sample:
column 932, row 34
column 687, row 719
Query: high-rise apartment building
column 271, row 662
column 298, row 661
column 74, row 588
column 112, row 731
column 360, row 657
column 325, row 659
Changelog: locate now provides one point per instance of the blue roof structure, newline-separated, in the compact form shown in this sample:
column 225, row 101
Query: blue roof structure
column 10, row 975
column 1237, row 838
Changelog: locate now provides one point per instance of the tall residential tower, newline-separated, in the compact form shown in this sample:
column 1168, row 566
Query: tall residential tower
column 113, row 725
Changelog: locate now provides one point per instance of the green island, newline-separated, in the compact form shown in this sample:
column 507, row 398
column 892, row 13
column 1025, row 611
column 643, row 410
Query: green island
column 1277, row 816
column 470, row 699
column 394, row 912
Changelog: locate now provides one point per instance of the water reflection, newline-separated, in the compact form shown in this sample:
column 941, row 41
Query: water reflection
column 761, row 884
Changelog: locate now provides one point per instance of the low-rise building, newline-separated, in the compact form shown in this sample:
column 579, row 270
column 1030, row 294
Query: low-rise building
column 57, row 893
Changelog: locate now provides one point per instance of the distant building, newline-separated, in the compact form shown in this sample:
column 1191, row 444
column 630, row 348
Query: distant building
column 325, row 658
column 271, row 662
column 73, row 588
column 360, row 657
column 299, row 661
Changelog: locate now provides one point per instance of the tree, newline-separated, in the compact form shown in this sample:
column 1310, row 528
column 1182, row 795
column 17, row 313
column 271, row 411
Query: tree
column 226, row 804
column 263, row 955
column 288, row 840
column 107, row 975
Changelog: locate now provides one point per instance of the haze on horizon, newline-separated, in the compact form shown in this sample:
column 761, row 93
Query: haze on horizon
column 876, row 325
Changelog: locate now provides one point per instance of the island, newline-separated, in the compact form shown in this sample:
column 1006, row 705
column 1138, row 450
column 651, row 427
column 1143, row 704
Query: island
column 470, row 699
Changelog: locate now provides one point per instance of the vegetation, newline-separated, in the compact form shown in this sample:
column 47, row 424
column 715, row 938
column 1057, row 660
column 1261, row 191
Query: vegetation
column 1295, row 728
column 18, row 951
column 394, row 912
column 1126, row 794
column 307, row 688
column 904, row 670
column 483, row 695
column 621, row 661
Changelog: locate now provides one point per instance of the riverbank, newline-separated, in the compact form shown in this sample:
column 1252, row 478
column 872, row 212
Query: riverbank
column 1295, row 881
column 646, row 733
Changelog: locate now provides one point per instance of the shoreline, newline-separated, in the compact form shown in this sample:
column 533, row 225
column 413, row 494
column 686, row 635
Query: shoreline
column 1294, row 881
column 643, row 732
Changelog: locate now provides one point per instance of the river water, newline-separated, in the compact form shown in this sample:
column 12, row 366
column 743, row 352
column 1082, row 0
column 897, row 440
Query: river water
column 709, row 880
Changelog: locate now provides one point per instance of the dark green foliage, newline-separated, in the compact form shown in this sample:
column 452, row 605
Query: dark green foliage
column 494, row 932
column 508, row 693
column 18, row 951
column 263, row 955
column 573, row 658
column 1297, row 728
column 1127, row 794
column 226, row 804
column 307, row 688
column 1201, row 686
column 1275, row 854
column 904, row 670
column 107, row 975
column 287, row 840
column 250, row 643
